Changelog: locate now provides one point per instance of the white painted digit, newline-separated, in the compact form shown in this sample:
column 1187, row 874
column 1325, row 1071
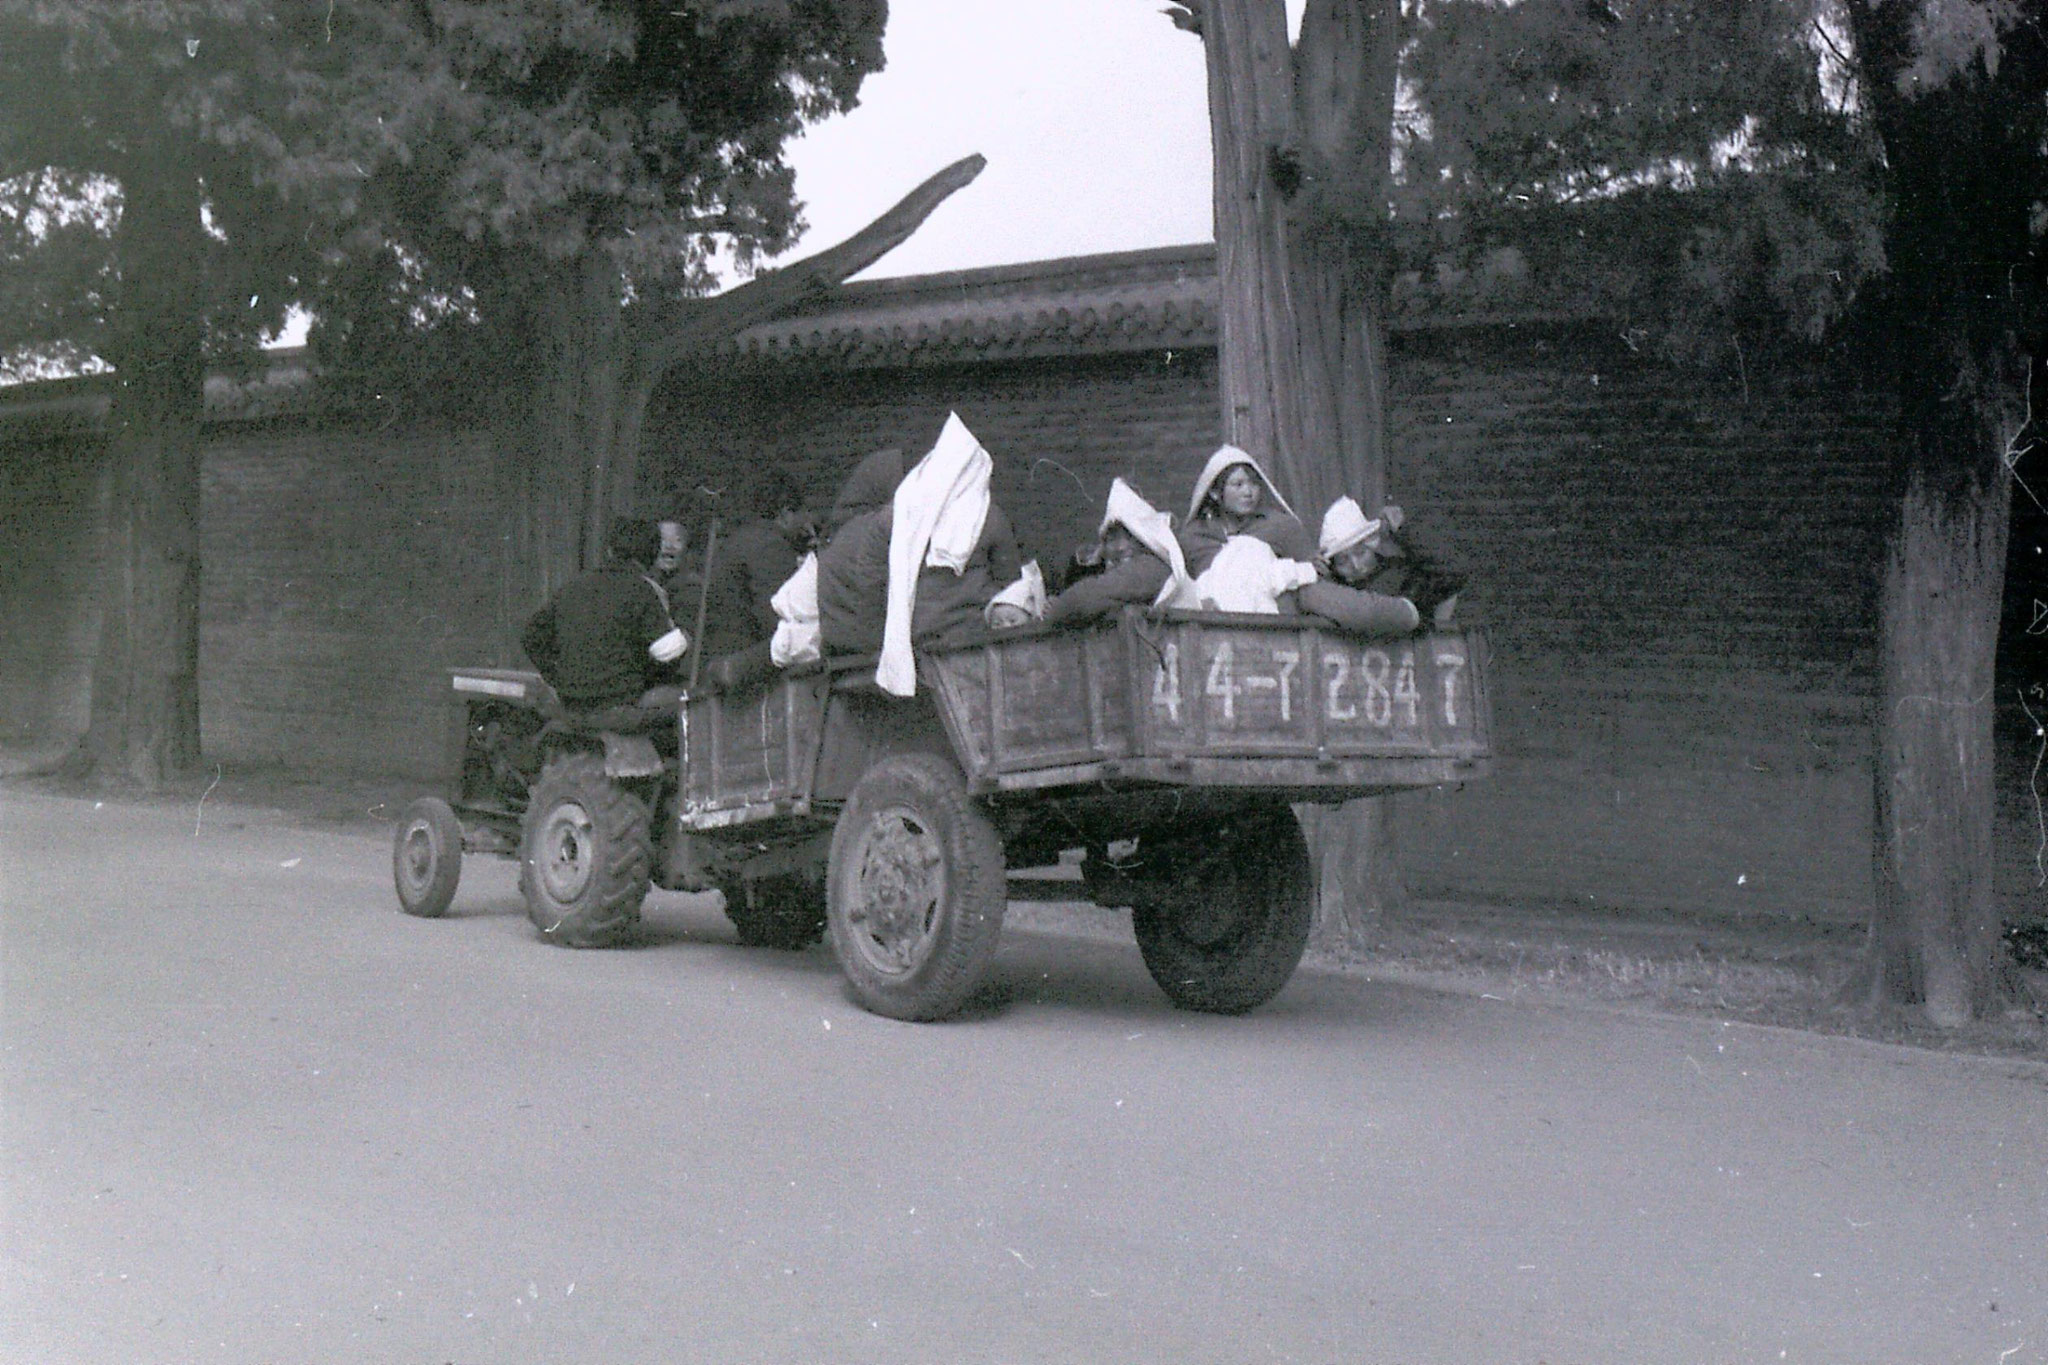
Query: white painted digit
column 1289, row 660
column 1166, row 682
column 1339, row 669
column 1379, row 703
column 1221, row 682
column 1404, row 685
column 1450, row 664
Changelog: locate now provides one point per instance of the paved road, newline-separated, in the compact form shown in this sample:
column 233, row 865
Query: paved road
column 253, row 1114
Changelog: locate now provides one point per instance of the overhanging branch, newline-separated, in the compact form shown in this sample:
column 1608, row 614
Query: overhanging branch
column 667, row 332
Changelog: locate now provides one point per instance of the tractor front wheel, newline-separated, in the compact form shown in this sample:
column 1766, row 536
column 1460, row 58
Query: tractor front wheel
column 426, row 857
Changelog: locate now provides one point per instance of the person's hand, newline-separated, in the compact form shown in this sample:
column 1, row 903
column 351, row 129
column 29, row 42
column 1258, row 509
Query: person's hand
column 1444, row 617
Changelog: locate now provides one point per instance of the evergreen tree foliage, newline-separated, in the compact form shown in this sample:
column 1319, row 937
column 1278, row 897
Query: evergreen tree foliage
column 526, row 136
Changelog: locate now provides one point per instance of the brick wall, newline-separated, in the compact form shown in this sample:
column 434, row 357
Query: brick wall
column 346, row 569
column 50, row 499
column 1678, row 578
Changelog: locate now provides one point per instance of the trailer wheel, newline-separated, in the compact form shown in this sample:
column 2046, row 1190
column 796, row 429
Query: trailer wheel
column 915, row 891
column 1224, row 934
column 426, row 857
column 786, row 912
column 586, row 854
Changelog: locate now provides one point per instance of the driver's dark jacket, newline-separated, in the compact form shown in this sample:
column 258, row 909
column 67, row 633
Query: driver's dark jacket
column 590, row 643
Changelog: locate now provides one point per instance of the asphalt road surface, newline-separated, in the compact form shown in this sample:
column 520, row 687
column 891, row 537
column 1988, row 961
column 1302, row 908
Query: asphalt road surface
column 254, row 1114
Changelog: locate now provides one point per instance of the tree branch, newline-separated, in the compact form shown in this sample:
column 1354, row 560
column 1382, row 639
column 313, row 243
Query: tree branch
column 664, row 333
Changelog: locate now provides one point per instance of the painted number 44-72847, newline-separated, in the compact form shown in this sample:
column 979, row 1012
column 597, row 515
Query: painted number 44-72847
column 1381, row 688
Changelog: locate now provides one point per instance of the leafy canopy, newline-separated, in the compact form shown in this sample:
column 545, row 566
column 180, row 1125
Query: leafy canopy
column 1699, row 167
column 525, row 134
column 404, row 164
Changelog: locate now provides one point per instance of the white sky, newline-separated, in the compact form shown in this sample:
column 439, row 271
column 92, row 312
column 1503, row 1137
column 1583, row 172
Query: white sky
column 1093, row 115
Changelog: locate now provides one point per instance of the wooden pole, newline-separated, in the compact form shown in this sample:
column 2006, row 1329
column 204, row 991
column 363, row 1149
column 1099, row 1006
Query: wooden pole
column 703, row 602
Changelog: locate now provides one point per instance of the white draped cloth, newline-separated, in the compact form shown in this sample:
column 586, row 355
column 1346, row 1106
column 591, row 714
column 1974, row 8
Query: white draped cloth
column 939, row 512
column 797, row 638
column 1346, row 526
column 1247, row 575
column 1027, row 594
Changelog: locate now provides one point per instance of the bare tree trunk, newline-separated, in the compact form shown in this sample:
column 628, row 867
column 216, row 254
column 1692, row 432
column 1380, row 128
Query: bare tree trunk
column 1301, row 142
column 562, row 469
column 144, row 724
column 1934, row 927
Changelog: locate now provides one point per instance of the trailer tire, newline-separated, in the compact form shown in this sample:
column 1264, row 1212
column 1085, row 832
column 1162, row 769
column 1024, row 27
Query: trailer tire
column 915, row 889
column 586, row 854
column 786, row 912
column 426, row 857
column 1225, row 934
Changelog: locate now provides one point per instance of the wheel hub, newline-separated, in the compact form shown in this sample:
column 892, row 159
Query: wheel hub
column 417, row 861
column 1209, row 901
column 897, row 893
column 565, row 852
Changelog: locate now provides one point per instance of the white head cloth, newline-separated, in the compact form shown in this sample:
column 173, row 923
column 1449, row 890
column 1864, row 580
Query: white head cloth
column 1224, row 458
column 939, row 511
column 1152, row 529
column 1026, row 594
column 1344, row 526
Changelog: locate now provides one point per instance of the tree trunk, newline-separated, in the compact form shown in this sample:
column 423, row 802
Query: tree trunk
column 1301, row 144
column 144, row 724
column 561, row 470
column 1962, row 304
column 1934, row 935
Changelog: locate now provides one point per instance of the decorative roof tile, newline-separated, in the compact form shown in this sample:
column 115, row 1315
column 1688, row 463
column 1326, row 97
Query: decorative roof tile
column 1129, row 301
column 1161, row 299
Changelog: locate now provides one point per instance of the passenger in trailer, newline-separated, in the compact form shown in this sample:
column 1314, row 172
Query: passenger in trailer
column 1136, row 560
column 951, row 550
column 1378, row 579
column 1246, row 548
column 1235, row 497
column 853, row 566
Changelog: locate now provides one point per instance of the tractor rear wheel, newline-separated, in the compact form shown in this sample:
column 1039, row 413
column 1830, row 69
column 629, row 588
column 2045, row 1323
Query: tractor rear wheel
column 586, row 854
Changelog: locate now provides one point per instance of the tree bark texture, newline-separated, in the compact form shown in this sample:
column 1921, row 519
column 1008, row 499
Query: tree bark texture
column 1934, row 927
column 1963, row 314
column 144, row 718
column 1301, row 141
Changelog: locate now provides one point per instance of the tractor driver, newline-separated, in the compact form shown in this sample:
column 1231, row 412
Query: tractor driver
column 606, row 641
